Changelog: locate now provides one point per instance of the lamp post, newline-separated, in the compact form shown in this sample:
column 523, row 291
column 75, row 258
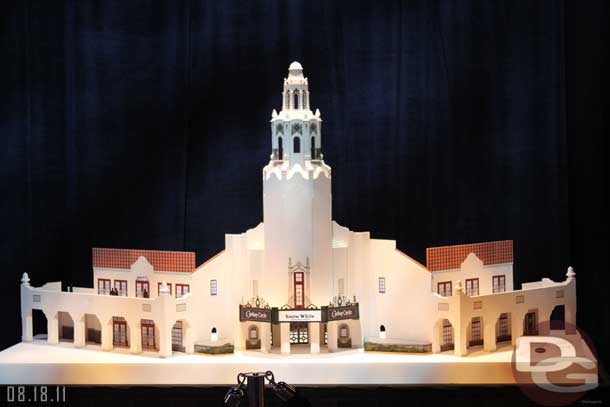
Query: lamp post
column 252, row 385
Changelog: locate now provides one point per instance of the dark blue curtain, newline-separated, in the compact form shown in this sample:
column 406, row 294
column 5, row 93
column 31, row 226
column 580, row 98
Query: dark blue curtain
column 145, row 124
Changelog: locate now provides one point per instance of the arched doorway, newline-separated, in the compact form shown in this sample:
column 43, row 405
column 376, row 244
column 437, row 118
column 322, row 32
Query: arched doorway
column 503, row 333
column 93, row 329
column 253, row 341
column 344, row 339
column 446, row 336
column 530, row 323
column 557, row 320
column 476, row 332
column 66, row 327
column 39, row 325
column 178, row 336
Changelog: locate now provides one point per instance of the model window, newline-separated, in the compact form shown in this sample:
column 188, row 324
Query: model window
column 119, row 332
column 475, row 332
column 499, row 284
column 103, row 286
column 280, row 148
column 299, row 290
column 213, row 287
column 341, row 287
column 121, row 287
column 142, row 289
column 344, row 331
column 313, row 148
column 382, row 285
column 169, row 285
column 472, row 286
column 296, row 148
column 444, row 288
column 148, row 334
column 181, row 290
column 295, row 105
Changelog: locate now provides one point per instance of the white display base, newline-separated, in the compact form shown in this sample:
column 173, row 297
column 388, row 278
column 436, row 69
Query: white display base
column 39, row 363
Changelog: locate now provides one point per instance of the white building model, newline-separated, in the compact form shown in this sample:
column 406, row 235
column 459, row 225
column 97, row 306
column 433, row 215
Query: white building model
column 299, row 279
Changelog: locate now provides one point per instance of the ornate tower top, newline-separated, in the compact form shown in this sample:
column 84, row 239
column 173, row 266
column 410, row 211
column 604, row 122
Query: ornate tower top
column 296, row 130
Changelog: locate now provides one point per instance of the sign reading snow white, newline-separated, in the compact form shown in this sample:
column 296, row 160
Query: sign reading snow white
column 300, row 315
column 254, row 314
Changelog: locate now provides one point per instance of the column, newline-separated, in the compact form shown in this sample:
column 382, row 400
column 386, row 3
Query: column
column 285, row 338
column 52, row 328
column 107, row 333
column 314, row 337
column 331, row 329
column 265, row 334
column 570, row 319
column 135, row 336
column 516, row 324
column 489, row 334
column 165, row 340
column 79, row 330
column 27, row 334
column 460, row 339
column 187, row 338
column 436, row 336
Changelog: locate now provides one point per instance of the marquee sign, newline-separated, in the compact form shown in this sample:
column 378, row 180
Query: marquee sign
column 339, row 313
column 254, row 314
column 300, row 315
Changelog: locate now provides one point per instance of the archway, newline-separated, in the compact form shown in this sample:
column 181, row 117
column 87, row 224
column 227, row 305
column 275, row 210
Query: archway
column 66, row 327
column 557, row 321
column 503, row 328
column 39, row 325
column 530, row 323
column 93, row 329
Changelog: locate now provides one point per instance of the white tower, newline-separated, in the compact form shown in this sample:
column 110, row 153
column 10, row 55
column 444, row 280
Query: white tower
column 297, row 204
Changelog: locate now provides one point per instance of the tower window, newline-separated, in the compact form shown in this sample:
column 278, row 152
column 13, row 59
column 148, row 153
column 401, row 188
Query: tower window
column 280, row 148
column 296, row 99
column 382, row 285
column 313, row 148
column 296, row 145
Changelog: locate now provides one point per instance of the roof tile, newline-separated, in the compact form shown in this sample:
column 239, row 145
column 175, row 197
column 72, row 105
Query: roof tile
column 451, row 257
column 161, row 260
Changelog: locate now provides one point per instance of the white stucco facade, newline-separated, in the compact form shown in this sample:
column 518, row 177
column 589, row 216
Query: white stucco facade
column 299, row 278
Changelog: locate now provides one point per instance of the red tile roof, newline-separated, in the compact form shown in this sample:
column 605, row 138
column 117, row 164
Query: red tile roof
column 451, row 257
column 161, row 260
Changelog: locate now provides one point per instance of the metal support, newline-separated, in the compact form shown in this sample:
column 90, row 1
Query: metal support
column 256, row 389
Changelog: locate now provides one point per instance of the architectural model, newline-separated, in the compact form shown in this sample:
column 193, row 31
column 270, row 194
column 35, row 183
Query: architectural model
column 300, row 281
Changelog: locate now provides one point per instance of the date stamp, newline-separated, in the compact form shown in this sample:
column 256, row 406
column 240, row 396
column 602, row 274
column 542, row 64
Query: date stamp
column 32, row 396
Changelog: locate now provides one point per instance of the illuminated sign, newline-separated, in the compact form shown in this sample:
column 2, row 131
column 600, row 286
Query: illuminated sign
column 339, row 313
column 300, row 315
column 254, row 314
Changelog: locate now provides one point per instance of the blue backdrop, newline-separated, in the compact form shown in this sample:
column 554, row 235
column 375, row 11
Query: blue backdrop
column 145, row 124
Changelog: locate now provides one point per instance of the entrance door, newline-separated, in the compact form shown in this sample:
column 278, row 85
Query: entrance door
column 119, row 331
column 530, row 326
column 177, row 337
column 298, row 333
column 447, row 336
column 299, row 290
column 475, row 332
column 148, row 334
